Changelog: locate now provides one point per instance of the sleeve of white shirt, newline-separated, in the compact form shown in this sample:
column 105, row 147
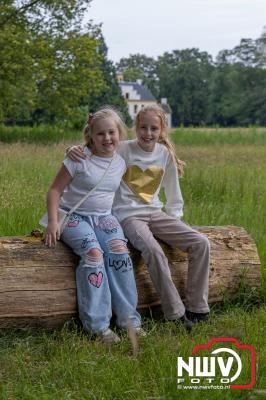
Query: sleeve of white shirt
column 71, row 166
column 122, row 164
column 122, row 148
column 170, row 183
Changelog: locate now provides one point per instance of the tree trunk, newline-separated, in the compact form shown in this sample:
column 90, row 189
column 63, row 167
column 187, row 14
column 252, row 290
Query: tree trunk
column 37, row 284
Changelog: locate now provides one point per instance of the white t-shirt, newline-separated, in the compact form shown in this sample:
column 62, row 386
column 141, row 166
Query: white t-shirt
column 86, row 174
column 146, row 174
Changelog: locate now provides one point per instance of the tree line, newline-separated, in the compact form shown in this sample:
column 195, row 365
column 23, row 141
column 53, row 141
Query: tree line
column 54, row 68
column 230, row 91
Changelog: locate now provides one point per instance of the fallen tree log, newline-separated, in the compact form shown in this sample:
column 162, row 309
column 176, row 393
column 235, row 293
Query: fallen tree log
column 37, row 284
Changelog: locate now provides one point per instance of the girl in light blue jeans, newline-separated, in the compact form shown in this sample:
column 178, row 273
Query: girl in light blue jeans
column 104, row 282
column 105, row 278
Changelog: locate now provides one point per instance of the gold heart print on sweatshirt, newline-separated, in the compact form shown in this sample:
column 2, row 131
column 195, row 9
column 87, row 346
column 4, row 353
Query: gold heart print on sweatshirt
column 143, row 183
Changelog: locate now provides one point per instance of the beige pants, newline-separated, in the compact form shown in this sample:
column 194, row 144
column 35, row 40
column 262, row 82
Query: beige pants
column 140, row 230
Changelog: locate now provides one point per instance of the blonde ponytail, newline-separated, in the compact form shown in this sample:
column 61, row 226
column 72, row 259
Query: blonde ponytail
column 180, row 165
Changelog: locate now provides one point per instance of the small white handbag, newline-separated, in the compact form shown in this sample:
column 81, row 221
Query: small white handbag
column 63, row 215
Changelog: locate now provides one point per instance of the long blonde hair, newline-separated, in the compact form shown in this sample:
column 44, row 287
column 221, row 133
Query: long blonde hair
column 164, row 136
column 102, row 113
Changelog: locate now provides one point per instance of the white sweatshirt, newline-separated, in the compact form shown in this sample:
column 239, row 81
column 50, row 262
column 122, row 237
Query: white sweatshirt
column 146, row 174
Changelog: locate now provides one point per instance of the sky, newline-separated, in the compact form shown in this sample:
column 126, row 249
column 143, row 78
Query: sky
column 152, row 27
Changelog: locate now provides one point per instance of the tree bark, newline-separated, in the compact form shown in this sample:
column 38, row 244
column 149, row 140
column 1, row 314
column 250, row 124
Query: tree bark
column 37, row 284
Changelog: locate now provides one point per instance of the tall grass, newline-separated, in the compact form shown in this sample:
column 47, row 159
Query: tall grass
column 42, row 134
column 223, row 184
column 48, row 134
column 219, row 136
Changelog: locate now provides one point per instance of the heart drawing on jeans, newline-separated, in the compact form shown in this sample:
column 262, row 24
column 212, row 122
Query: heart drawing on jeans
column 96, row 279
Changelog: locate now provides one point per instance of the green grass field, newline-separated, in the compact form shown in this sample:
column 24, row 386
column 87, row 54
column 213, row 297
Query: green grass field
column 224, row 183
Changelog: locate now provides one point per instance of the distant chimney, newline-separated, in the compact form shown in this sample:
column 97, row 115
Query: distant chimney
column 164, row 100
column 119, row 76
column 139, row 81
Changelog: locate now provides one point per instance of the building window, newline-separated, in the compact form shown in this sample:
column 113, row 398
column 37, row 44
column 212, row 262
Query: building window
column 135, row 108
column 127, row 95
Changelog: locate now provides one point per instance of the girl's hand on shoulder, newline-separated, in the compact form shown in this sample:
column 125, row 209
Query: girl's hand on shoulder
column 52, row 234
column 76, row 153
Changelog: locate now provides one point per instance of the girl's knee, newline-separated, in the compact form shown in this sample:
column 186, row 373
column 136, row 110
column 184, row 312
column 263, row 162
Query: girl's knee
column 204, row 243
column 117, row 246
column 118, row 258
column 93, row 256
column 152, row 249
column 95, row 253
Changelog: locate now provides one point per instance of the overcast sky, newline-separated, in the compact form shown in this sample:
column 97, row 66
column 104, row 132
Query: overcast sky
column 152, row 27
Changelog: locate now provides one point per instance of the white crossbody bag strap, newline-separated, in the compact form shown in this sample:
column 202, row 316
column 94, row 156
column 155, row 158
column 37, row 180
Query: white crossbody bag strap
column 73, row 209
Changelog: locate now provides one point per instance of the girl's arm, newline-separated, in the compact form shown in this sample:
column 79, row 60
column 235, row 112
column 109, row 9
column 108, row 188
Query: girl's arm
column 76, row 153
column 62, row 179
column 174, row 200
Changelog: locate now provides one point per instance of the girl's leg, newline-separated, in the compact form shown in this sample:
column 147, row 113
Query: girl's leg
column 119, row 269
column 138, row 232
column 94, row 298
column 177, row 234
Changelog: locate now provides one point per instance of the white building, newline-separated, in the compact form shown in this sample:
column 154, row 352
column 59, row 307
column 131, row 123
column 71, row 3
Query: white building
column 137, row 96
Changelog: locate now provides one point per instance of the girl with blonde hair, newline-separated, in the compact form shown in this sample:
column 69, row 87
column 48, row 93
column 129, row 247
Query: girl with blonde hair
column 151, row 165
column 104, row 276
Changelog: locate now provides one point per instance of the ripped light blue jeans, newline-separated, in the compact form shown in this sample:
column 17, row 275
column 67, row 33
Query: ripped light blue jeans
column 105, row 277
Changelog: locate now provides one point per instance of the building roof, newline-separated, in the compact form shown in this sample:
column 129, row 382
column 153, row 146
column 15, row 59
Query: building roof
column 142, row 90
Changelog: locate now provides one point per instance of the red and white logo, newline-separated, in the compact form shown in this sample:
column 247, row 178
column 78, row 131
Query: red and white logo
column 218, row 367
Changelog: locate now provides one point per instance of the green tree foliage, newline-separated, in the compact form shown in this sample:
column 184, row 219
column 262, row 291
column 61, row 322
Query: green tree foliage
column 54, row 68
column 238, row 85
column 183, row 79
column 139, row 66
column 250, row 53
column 237, row 95
column 228, row 92
column 18, row 91
column 67, row 71
column 110, row 93
column 50, row 64
column 58, row 15
column 261, row 43
column 181, row 76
